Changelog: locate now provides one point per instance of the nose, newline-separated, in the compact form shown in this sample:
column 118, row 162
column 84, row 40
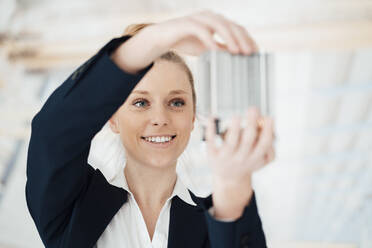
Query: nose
column 159, row 117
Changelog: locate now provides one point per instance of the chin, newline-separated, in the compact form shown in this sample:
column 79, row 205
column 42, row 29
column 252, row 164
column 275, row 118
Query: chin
column 161, row 162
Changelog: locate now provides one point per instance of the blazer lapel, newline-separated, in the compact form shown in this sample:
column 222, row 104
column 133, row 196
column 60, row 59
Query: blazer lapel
column 94, row 211
column 187, row 226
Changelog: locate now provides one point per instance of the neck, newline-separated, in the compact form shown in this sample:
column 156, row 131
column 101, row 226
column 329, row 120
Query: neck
column 150, row 186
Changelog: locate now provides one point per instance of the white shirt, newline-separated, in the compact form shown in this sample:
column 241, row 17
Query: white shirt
column 127, row 229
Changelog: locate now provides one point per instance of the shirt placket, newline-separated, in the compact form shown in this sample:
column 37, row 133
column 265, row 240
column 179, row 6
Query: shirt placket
column 141, row 226
column 160, row 234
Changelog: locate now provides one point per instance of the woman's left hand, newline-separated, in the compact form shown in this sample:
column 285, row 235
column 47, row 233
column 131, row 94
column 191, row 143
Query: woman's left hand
column 243, row 152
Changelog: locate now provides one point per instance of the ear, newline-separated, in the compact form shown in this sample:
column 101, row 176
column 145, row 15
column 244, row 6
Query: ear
column 114, row 124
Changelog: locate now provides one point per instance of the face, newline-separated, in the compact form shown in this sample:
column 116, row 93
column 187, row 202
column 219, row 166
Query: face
column 160, row 104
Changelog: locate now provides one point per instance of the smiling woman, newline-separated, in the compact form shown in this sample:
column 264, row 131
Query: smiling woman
column 161, row 105
column 154, row 125
column 145, row 92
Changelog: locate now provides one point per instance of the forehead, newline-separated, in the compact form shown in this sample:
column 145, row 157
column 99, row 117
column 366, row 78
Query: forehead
column 163, row 78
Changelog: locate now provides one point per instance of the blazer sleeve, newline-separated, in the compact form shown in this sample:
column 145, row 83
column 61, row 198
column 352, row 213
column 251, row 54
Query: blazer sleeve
column 61, row 132
column 245, row 232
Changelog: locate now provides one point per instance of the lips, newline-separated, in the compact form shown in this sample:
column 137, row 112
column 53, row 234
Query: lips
column 173, row 136
column 160, row 145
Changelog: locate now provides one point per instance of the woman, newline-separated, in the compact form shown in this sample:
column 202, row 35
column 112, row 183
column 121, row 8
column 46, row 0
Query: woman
column 73, row 205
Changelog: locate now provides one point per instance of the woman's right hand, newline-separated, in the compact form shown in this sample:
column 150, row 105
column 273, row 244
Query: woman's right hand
column 191, row 34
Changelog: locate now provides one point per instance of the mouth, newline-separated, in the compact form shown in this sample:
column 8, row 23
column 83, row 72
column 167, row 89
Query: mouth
column 155, row 144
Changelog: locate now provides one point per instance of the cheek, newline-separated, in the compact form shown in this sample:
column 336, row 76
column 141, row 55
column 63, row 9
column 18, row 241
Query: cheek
column 129, row 127
column 184, row 126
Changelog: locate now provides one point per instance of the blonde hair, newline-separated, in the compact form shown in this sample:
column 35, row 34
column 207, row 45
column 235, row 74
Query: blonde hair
column 170, row 56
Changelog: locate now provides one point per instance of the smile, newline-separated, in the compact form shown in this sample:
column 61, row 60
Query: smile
column 163, row 144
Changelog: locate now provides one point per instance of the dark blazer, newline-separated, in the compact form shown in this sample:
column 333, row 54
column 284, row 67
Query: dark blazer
column 71, row 203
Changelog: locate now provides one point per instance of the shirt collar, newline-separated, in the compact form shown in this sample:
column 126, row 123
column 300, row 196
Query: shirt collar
column 179, row 189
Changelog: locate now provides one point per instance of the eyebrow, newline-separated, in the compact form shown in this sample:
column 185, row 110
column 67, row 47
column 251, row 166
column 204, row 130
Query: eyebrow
column 173, row 92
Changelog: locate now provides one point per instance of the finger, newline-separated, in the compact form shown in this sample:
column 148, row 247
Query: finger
column 260, row 122
column 222, row 47
column 212, row 22
column 245, row 44
column 270, row 155
column 265, row 140
column 265, row 160
column 204, row 34
column 249, row 133
column 249, row 39
column 211, row 136
column 220, row 26
column 232, row 136
column 223, row 135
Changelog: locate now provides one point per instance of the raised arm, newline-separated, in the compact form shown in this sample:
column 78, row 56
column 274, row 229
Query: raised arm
column 58, row 176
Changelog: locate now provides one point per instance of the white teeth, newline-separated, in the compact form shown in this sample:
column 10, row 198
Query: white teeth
column 158, row 139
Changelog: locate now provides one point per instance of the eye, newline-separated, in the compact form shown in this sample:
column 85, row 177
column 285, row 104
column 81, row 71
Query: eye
column 139, row 101
column 179, row 101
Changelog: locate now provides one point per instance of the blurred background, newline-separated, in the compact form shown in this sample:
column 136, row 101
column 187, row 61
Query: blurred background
column 318, row 191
